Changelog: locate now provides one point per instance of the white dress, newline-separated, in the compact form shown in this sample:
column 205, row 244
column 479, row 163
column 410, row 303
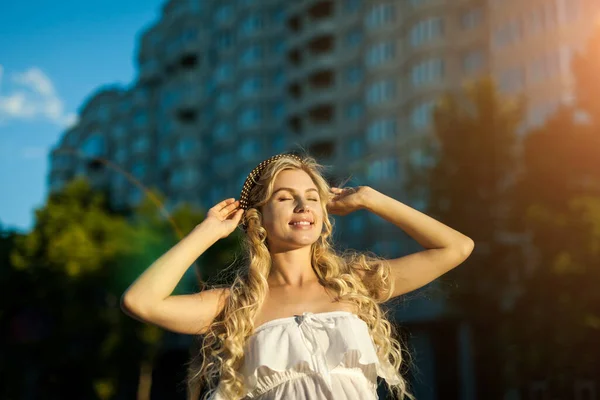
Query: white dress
column 328, row 355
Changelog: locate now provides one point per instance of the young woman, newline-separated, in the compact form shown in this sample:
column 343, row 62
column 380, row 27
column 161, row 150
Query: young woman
column 300, row 321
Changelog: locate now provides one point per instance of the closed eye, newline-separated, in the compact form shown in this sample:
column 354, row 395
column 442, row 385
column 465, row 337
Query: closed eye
column 285, row 198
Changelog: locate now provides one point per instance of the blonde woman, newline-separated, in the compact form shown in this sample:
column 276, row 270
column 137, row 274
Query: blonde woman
column 300, row 321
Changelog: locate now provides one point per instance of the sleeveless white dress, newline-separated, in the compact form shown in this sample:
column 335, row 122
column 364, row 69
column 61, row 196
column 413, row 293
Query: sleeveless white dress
column 328, row 355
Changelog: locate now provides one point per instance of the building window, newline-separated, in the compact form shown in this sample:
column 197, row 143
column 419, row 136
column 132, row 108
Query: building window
column 224, row 40
column 355, row 148
column 121, row 155
column 278, row 47
column 278, row 145
column 279, row 78
column 570, row 10
column 380, row 15
column 381, row 130
column 354, row 74
column 119, row 131
column 222, row 131
column 224, row 72
column 186, row 146
column 250, row 117
column 135, row 195
column 535, row 23
column 380, row 53
column 550, row 14
column 383, row 169
column 223, row 13
column 278, row 111
column 224, row 100
column 427, row 72
column 508, row 33
column 252, row 54
column 165, row 127
column 250, row 149
column 353, row 38
column 354, row 110
column 426, row 31
column 139, row 171
column 381, row 91
column 472, row 62
column 164, row 156
column 538, row 113
column 471, row 18
column 278, row 16
column 140, row 120
column 141, row 144
column 94, row 146
column 357, row 223
column 251, row 85
column 417, row 3
column 512, row 80
column 420, row 117
column 252, row 24
column 351, row 6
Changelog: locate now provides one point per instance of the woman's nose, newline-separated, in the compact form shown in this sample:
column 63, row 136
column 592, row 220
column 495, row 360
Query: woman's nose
column 303, row 205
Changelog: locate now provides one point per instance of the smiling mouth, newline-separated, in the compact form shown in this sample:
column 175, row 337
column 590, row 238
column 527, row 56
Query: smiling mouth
column 303, row 223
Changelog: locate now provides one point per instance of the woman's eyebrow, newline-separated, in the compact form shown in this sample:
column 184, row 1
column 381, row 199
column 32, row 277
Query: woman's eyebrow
column 294, row 190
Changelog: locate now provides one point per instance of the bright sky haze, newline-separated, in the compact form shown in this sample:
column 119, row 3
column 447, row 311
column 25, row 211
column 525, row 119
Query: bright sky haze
column 54, row 55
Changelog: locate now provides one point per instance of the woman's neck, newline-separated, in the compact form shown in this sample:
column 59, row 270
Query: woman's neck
column 292, row 268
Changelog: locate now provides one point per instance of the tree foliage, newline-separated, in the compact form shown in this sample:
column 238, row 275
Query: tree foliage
column 468, row 188
column 558, row 197
column 67, row 336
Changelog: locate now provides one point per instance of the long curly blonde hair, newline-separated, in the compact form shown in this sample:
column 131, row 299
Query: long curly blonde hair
column 358, row 278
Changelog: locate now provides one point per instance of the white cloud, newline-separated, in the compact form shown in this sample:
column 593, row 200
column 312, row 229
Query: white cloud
column 33, row 96
column 35, row 79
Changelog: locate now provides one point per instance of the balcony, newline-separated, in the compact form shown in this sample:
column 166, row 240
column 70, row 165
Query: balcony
column 317, row 132
column 321, row 9
column 322, row 96
column 322, row 27
column 319, row 62
column 322, row 44
column 322, row 149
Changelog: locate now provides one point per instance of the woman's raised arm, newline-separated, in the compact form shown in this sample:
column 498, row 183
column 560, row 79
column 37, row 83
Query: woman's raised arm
column 149, row 298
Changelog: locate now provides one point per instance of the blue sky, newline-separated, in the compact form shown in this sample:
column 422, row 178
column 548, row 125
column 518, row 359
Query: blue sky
column 53, row 56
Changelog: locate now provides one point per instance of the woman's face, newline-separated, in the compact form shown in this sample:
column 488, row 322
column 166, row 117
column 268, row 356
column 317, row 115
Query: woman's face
column 293, row 216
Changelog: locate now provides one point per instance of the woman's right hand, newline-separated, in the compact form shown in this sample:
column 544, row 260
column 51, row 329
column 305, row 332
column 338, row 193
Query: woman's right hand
column 225, row 217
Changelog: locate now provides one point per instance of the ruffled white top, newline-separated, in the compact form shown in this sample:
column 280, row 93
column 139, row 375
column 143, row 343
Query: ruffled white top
column 328, row 355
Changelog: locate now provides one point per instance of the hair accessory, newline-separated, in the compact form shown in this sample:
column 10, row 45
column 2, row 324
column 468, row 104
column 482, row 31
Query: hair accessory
column 254, row 175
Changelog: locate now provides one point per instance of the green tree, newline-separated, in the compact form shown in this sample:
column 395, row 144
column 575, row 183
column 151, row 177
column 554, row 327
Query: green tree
column 70, row 337
column 469, row 189
column 558, row 315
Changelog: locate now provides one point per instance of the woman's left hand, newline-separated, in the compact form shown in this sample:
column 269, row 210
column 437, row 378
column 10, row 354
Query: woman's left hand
column 345, row 201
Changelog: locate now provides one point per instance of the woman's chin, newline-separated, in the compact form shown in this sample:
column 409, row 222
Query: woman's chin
column 295, row 242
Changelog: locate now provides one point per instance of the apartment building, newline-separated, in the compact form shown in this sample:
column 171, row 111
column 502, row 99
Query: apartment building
column 222, row 85
column 532, row 45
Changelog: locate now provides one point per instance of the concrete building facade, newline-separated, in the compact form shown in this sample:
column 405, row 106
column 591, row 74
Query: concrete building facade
column 224, row 84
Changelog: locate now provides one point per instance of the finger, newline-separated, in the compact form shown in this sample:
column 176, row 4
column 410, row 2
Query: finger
column 238, row 215
column 225, row 202
column 230, row 206
column 229, row 210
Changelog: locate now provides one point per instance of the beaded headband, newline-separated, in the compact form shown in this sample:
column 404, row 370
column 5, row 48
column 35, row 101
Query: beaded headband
column 254, row 175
